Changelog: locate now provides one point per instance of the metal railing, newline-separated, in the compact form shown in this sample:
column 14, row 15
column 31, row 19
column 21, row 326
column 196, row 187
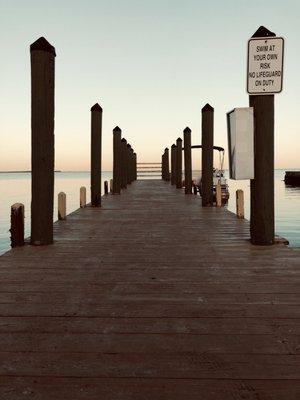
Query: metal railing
column 149, row 170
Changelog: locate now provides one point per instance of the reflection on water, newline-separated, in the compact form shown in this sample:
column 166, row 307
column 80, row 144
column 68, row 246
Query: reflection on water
column 15, row 188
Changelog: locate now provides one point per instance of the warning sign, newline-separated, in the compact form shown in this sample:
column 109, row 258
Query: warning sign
column 265, row 65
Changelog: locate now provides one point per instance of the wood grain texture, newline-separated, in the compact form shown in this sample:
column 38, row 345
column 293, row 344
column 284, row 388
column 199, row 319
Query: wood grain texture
column 117, row 161
column 187, row 160
column 179, row 163
column 207, row 159
column 173, row 164
column 150, row 297
column 42, row 141
column 96, row 154
column 262, row 186
column 17, row 215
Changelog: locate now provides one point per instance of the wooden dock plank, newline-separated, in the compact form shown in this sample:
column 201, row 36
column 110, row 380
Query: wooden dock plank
column 150, row 297
column 70, row 388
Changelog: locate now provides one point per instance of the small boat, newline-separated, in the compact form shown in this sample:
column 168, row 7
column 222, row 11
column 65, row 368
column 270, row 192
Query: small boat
column 218, row 177
column 292, row 178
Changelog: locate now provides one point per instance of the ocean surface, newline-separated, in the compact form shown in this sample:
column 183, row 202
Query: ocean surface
column 15, row 188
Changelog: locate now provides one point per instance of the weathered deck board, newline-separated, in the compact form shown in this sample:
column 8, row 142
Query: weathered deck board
column 150, row 297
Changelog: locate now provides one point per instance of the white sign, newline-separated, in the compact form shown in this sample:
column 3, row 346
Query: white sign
column 265, row 65
column 240, row 143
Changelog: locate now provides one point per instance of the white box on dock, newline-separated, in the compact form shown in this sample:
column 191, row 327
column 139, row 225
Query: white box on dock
column 240, row 129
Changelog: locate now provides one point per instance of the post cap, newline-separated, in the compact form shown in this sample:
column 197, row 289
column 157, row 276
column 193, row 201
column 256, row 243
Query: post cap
column 166, row 149
column 123, row 140
column 173, row 145
column 116, row 129
column 96, row 107
column 17, row 206
column 187, row 130
column 207, row 107
column 179, row 140
column 263, row 32
column 134, row 153
column 43, row 45
column 128, row 145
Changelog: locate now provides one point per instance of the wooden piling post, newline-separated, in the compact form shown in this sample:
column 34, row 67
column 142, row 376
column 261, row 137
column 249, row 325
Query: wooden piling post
column 131, row 165
column 187, row 160
column 195, row 189
column 62, row 206
column 96, row 139
column 124, row 163
column 240, row 213
column 128, row 163
column 111, row 184
column 17, row 216
column 105, row 187
column 167, row 164
column 262, row 225
column 207, row 155
column 164, row 166
column 134, row 166
column 117, row 175
column 82, row 197
column 173, row 164
column 218, row 194
column 179, row 163
column 42, row 141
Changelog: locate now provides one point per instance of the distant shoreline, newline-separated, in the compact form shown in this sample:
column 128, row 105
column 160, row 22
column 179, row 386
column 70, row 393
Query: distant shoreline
column 29, row 172
column 60, row 171
column 21, row 172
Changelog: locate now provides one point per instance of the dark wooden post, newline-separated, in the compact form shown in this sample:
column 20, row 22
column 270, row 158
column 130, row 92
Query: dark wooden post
column 96, row 154
column 105, row 187
column 128, row 163
column 135, row 166
column 179, row 163
column 207, row 155
column 167, row 164
column 163, row 177
column 131, row 165
column 262, row 186
column 173, row 164
column 124, row 163
column 117, row 160
column 187, row 160
column 17, row 225
column 42, row 141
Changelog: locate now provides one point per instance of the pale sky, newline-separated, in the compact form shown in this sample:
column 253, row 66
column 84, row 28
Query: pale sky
column 152, row 65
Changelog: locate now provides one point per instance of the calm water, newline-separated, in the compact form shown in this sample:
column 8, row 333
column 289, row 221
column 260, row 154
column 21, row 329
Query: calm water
column 15, row 188
column 287, row 206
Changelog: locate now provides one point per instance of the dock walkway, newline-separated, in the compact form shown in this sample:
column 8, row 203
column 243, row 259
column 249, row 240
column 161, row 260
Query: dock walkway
column 150, row 297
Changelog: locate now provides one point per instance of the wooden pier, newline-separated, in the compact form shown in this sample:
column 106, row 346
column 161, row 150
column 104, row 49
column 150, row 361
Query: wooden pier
column 152, row 297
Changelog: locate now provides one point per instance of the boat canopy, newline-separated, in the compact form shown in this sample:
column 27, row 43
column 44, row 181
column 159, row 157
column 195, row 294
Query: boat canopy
column 199, row 146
